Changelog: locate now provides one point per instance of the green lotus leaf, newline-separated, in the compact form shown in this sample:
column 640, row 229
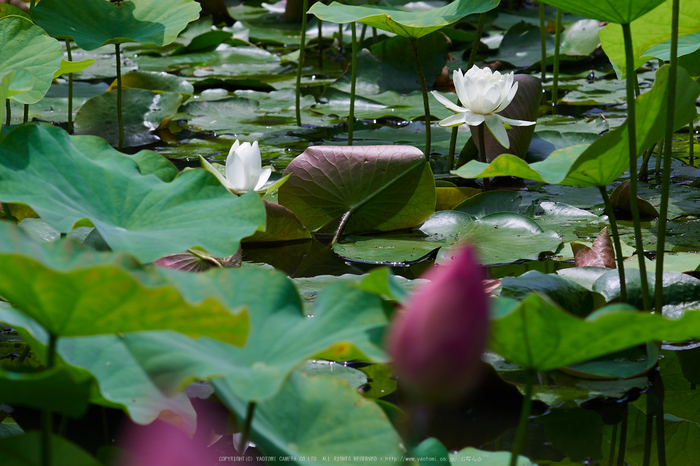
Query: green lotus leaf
column 25, row 46
column 25, row 450
column 613, row 11
column 536, row 333
column 319, row 418
column 121, row 383
column 65, row 181
column 347, row 323
column 607, row 158
column 10, row 10
column 647, row 31
column 381, row 188
column 72, row 291
column 404, row 23
column 73, row 66
column 143, row 112
column 156, row 82
column 93, row 24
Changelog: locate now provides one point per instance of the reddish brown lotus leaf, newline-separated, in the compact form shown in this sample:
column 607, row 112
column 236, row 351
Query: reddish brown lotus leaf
column 194, row 260
column 281, row 225
column 372, row 188
column 601, row 254
column 491, row 284
column 524, row 106
column 620, row 200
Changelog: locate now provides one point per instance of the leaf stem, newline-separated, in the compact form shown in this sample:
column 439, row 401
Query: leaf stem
column 648, row 429
column 302, row 44
column 70, row 89
column 245, row 431
column 424, row 89
column 623, row 437
column 524, row 416
column 319, row 43
column 339, row 231
column 8, row 111
column 668, row 151
column 353, row 81
column 613, row 441
column 557, row 46
column 46, row 414
column 616, row 241
column 632, row 133
column 26, row 113
column 120, row 119
column 660, row 432
column 482, row 153
column 543, row 43
column 691, row 143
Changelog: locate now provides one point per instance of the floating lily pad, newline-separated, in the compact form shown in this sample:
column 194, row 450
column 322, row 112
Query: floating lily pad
column 143, row 112
column 319, row 417
column 34, row 56
column 93, row 24
column 156, row 82
column 192, row 210
column 404, row 23
column 380, row 188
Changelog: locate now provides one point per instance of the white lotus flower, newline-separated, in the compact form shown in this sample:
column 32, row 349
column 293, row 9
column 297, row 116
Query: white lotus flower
column 484, row 94
column 244, row 171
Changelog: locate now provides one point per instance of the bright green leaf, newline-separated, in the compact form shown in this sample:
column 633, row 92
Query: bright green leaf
column 73, row 66
column 613, row 11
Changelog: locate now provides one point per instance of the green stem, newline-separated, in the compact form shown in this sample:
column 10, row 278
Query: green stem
column 245, row 431
column 319, row 24
column 8, row 111
column 120, row 119
column 666, row 175
column 46, row 414
column 362, row 34
column 302, row 45
column 26, row 113
column 691, row 143
column 623, row 438
column 482, row 153
column 470, row 63
column 424, row 89
column 340, row 40
column 374, row 36
column 613, row 441
column 543, row 43
column 632, row 133
column 557, row 45
column 524, row 416
column 648, row 429
column 343, row 222
column 659, row 158
column 353, row 80
column 32, row 4
column 70, row 90
column 616, row 241
column 660, row 433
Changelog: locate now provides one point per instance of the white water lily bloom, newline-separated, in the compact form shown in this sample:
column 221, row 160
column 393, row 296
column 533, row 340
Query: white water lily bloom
column 244, row 170
column 484, row 94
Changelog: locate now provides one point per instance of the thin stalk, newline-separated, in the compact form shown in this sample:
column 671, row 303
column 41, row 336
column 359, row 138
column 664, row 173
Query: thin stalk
column 470, row 63
column 482, row 153
column 659, row 158
column 362, row 34
column 660, row 434
column 524, row 416
column 543, row 37
column 305, row 7
column 8, row 111
column 119, row 97
column 245, row 431
column 70, row 89
column 616, row 241
column 374, row 36
column 644, row 169
column 424, row 89
column 648, row 429
column 353, row 80
column 666, row 175
column 632, row 132
column 691, row 143
column 319, row 24
column 557, row 46
column 26, row 113
column 623, row 438
column 46, row 414
column 340, row 39
column 613, row 441
column 339, row 231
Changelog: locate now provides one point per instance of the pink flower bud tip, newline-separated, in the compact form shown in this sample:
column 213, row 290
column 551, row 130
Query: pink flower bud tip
column 437, row 340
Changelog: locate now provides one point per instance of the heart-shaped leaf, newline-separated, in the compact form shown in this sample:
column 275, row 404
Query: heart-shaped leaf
column 613, row 11
column 600, row 254
column 524, row 106
column 93, row 24
column 380, row 188
column 71, row 290
column 608, row 157
column 26, row 49
column 65, row 179
column 401, row 22
column 144, row 112
column 319, row 418
column 620, row 200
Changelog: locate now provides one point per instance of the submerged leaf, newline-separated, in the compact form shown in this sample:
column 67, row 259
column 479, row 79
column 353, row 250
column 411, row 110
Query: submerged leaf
column 621, row 202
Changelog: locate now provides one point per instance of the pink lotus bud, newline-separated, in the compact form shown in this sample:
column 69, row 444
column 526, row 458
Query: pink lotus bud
column 436, row 342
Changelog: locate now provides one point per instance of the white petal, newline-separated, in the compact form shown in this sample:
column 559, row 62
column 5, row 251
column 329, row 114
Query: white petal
column 492, row 99
column 507, row 98
column 495, row 125
column 237, row 174
column 473, row 119
column 233, row 148
column 210, row 168
column 264, row 176
column 460, row 81
column 453, row 120
column 516, row 122
column 447, row 102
